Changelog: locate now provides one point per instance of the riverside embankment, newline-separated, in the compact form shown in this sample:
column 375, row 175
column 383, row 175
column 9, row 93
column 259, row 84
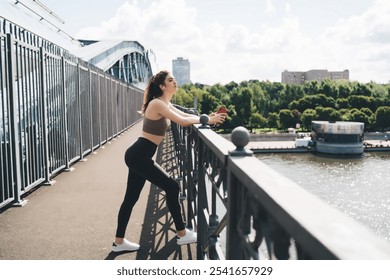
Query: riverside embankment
column 285, row 142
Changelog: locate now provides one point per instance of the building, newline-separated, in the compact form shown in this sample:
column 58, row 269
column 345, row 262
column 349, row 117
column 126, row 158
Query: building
column 338, row 138
column 289, row 77
column 181, row 70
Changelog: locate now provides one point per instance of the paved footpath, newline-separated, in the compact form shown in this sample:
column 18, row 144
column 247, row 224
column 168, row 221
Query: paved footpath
column 75, row 219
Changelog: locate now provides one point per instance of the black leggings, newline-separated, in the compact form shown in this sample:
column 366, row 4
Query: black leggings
column 141, row 168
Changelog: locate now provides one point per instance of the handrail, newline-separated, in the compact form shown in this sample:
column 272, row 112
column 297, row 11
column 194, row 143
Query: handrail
column 267, row 216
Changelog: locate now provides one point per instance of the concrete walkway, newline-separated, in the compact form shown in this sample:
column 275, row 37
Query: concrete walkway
column 75, row 219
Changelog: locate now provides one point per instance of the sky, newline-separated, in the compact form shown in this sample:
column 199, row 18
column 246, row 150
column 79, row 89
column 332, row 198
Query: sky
column 238, row 40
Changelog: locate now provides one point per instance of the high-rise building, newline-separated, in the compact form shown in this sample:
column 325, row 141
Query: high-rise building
column 181, row 70
column 290, row 77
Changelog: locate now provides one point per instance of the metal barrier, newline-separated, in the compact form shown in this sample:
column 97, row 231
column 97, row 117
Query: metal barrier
column 243, row 209
column 54, row 109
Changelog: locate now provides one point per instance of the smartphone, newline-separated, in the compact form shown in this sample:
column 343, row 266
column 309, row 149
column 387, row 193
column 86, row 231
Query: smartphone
column 222, row 110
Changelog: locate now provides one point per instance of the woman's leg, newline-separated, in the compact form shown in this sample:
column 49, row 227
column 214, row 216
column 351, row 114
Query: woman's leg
column 153, row 172
column 135, row 184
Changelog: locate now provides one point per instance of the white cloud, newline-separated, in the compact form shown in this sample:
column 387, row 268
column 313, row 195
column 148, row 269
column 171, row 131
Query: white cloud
column 269, row 8
column 222, row 52
column 362, row 42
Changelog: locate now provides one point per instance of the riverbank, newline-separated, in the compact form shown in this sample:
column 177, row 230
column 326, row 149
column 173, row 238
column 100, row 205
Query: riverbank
column 259, row 137
column 285, row 142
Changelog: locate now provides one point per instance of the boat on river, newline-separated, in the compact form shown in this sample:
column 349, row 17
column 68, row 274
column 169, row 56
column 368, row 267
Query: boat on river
column 338, row 138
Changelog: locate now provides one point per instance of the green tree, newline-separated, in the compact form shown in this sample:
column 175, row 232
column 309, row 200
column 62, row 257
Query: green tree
column 359, row 116
column 208, row 103
column 286, row 119
column 311, row 88
column 259, row 98
column 345, row 115
column 274, row 92
column 258, row 121
column 292, row 92
column 230, row 86
column 345, row 89
column 220, row 92
column 329, row 88
column 268, row 98
column 383, row 117
column 273, row 119
column 360, row 101
column 328, row 114
column 361, row 89
column 307, row 117
column 312, row 101
column 342, row 103
column 367, row 111
column 242, row 100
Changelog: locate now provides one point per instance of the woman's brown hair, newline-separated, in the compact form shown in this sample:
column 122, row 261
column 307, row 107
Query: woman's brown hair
column 153, row 89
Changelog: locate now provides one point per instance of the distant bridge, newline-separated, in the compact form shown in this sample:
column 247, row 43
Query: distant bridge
column 126, row 60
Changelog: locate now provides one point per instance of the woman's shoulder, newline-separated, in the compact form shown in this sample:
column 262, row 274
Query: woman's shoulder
column 157, row 101
column 156, row 106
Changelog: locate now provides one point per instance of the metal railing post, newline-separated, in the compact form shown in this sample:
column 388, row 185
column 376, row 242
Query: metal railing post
column 202, row 195
column 90, row 106
column 15, row 133
column 78, row 94
column 65, row 116
column 240, row 138
column 47, row 182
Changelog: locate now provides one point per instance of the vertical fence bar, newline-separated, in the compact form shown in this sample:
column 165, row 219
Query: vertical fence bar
column 90, row 107
column 189, row 175
column 15, row 134
column 44, row 118
column 72, row 110
column 6, row 174
column 99, row 111
column 233, row 246
column 78, row 94
column 202, row 203
column 95, row 109
column 65, row 115
column 103, row 107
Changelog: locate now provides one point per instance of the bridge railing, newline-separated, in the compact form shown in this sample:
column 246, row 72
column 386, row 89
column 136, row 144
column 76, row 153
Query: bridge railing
column 54, row 109
column 243, row 209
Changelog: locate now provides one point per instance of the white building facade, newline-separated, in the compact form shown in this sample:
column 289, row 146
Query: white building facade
column 181, row 70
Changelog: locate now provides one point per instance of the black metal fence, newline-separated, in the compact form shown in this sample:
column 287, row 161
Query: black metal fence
column 243, row 209
column 54, row 109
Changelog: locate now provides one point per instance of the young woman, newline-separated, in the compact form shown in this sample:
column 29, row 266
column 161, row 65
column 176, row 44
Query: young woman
column 157, row 111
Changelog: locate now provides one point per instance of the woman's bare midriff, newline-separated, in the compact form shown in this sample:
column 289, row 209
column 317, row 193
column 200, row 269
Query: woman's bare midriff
column 156, row 139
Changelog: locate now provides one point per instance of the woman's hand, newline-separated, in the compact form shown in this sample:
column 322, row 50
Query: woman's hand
column 217, row 119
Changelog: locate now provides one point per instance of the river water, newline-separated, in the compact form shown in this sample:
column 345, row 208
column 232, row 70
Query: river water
column 359, row 187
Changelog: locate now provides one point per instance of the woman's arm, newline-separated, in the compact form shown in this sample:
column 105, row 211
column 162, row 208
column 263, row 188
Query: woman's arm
column 180, row 112
column 179, row 117
column 220, row 118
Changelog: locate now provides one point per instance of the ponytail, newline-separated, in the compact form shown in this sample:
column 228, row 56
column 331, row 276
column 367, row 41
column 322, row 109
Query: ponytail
column 153, row 89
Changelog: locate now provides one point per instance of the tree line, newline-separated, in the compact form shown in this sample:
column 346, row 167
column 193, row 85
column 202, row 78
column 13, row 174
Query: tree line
column 263, row 104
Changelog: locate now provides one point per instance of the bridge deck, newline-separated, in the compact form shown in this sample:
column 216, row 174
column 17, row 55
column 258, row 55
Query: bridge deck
column 75, row 219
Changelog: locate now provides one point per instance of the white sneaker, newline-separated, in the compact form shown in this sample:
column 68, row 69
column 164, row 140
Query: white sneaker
column 125, row 246
column 188, row 238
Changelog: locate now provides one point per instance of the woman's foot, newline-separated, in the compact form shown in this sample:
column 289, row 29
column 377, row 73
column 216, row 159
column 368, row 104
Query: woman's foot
column 188, row 238
column 125, row 246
